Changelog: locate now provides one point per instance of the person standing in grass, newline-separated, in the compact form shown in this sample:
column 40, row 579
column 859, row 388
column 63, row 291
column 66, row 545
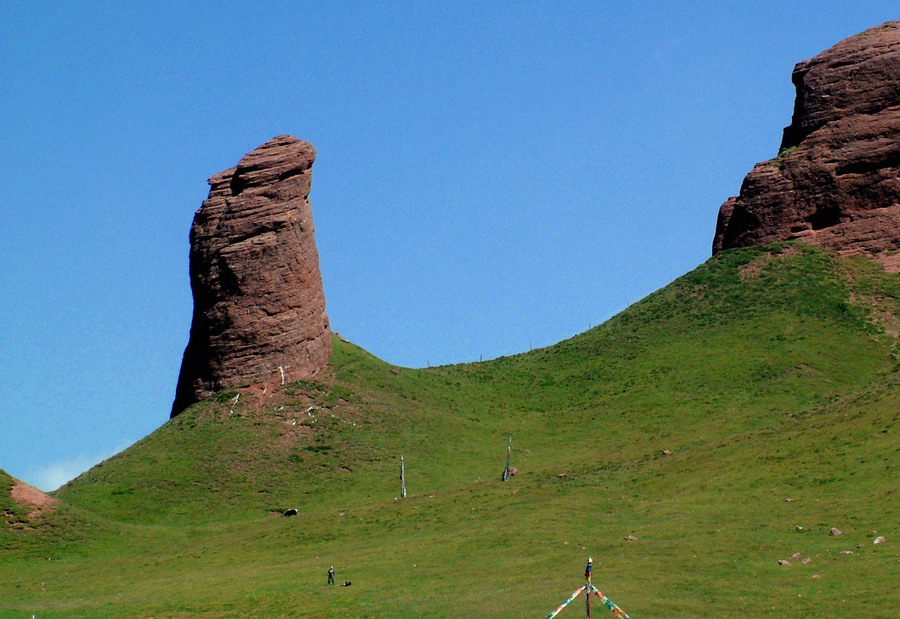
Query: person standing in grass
column 331, row 575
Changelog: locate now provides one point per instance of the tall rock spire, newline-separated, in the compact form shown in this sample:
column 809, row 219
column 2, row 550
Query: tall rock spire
column 836, row 179
column 259, row 307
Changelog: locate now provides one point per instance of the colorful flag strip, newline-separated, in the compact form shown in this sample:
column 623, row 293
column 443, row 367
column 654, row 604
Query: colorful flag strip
column 618, row 612
column 557, row 610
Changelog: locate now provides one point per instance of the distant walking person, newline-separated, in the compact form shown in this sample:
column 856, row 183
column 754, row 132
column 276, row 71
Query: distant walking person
column 331, row 575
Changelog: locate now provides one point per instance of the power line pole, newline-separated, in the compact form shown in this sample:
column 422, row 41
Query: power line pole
column 402, row 478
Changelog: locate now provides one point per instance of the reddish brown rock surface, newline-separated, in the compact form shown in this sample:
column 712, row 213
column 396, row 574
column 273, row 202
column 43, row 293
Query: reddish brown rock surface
column 36, row 502
column 836, row 181
column 259, row 306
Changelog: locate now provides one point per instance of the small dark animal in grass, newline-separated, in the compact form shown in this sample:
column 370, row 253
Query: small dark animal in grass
column 290, row 512
column 347, row 583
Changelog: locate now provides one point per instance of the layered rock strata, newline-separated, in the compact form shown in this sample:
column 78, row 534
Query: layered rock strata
column 259, row 307
column 836, row 179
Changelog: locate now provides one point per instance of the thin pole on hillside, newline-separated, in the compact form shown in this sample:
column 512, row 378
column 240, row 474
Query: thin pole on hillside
column 402, row 478
column 505, row 476
column 589, row 589
column 589, row 586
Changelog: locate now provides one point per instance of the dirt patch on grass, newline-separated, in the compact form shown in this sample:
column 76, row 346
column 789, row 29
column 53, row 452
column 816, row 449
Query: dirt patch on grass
column 292, row 432
column 885, row 316
column 752, row 269
column 32, row 499
column 891, row 262
column 260, row 394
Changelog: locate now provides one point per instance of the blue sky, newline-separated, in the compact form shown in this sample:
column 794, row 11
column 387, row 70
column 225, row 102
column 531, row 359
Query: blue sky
column 491, row 176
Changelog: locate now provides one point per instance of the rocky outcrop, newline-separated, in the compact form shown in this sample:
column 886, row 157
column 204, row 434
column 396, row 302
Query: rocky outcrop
column 836, row 179
column 259, row 307
column 31, row 502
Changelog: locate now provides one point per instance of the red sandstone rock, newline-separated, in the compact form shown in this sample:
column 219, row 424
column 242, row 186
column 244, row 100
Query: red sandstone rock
column 836, row 181
column 259, row 306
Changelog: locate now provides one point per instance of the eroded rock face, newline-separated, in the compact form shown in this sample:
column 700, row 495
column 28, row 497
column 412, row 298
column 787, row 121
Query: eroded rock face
column 259, row 306
column 836, row 180
column 36, row 502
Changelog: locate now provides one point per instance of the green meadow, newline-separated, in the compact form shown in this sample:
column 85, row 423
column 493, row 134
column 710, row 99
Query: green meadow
column 723, row 424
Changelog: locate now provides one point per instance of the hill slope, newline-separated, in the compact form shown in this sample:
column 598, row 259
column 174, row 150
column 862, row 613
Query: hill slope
column 768, row 374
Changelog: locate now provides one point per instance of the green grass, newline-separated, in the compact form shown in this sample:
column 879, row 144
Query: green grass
column 768, row 373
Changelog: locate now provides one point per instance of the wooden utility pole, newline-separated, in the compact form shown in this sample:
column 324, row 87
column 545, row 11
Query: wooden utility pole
column 402, row 478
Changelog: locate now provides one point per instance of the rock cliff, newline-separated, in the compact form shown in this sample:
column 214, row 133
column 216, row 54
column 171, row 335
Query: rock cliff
column 836, row 179
column 259, row 307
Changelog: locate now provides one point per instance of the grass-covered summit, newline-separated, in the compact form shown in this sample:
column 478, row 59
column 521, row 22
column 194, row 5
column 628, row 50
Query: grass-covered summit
column 727, row 421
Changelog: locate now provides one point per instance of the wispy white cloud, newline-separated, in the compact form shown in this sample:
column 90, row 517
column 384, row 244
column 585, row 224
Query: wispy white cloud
column 54, row 474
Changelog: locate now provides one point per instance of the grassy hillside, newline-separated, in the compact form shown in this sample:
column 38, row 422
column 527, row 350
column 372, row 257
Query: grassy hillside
column 769, row 375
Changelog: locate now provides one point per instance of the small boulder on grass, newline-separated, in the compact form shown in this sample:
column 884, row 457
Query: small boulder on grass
column 783, row 562
column 835, row 531
column 879, row 540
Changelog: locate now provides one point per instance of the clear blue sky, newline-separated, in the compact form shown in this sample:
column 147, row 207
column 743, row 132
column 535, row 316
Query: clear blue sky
column 491, row 176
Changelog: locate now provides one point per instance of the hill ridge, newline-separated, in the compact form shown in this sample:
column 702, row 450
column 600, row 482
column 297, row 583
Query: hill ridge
column 706, row 423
